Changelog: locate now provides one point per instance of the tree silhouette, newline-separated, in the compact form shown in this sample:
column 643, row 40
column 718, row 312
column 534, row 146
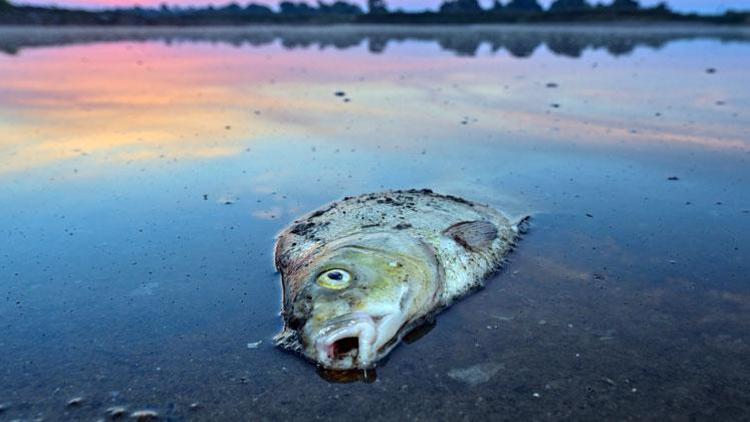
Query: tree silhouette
column 377, row 7
column 460, row 6
column 625, row 5
column 569, row 6
column 524, row 6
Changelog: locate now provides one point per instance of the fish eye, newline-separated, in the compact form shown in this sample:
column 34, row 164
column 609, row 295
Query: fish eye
column 334, row 279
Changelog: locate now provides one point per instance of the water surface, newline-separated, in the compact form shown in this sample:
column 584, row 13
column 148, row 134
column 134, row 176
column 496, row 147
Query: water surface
column 144, row 174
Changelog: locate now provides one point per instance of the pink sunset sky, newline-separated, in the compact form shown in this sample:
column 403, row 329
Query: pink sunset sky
column 705, row 6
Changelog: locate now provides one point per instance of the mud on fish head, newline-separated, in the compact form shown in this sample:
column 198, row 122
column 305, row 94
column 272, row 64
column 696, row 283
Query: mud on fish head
column 359, row 295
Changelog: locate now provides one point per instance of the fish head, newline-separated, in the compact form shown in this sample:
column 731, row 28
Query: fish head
column 359, row 295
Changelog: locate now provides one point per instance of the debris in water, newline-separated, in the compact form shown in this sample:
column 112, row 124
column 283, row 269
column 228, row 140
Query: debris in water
column 145, row 415
column 673, row 178
column 115, row 412
column 75, row 402
column 339, row 93
column 4, row 407
column 589, row 215
column 551, row 85
column 195, row 406
column 255, row 344
column 711, row 70
column 205, row 197
column 476, row 374
column 555, row 105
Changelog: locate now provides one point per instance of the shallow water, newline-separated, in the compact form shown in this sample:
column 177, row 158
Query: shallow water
column 144, row 174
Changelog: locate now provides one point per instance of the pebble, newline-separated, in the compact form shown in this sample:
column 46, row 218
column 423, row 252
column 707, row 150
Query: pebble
column 115, row 412
column 75, row 402
column 145, row 415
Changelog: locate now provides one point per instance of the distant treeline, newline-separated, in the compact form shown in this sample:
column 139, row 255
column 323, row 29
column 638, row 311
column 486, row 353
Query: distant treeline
column 449, row 12
column 519, row 41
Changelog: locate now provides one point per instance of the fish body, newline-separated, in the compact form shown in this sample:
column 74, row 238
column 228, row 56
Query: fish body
column 360, row 273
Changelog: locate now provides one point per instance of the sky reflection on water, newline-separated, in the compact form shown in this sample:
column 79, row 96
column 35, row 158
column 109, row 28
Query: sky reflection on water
column 143, row 182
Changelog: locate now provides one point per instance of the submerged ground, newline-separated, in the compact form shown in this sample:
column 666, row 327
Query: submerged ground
column 144, row 174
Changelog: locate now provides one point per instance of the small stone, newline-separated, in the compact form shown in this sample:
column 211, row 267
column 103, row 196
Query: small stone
column 115, row 412
column 145, row 415
column 75, row 402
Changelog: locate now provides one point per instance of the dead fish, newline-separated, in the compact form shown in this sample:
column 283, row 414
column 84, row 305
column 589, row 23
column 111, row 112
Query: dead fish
column 360, row 273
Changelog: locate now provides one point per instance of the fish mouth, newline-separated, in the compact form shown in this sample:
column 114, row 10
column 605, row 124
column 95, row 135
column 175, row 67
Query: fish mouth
column 348, row 342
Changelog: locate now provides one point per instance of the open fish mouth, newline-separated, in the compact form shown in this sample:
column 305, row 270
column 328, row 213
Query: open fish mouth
column 348, row 341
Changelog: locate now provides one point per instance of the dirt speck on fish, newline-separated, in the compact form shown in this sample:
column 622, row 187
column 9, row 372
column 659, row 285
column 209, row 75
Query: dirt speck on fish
column 360, row 273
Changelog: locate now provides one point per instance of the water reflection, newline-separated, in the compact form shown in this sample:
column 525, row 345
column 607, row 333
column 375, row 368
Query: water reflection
column 143, row 181
column 133, row 96
column 518, row 41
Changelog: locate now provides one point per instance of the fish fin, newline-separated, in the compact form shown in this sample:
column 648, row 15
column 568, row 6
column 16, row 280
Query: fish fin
column 522, row 224
column 288, row 339
column 472, row 235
